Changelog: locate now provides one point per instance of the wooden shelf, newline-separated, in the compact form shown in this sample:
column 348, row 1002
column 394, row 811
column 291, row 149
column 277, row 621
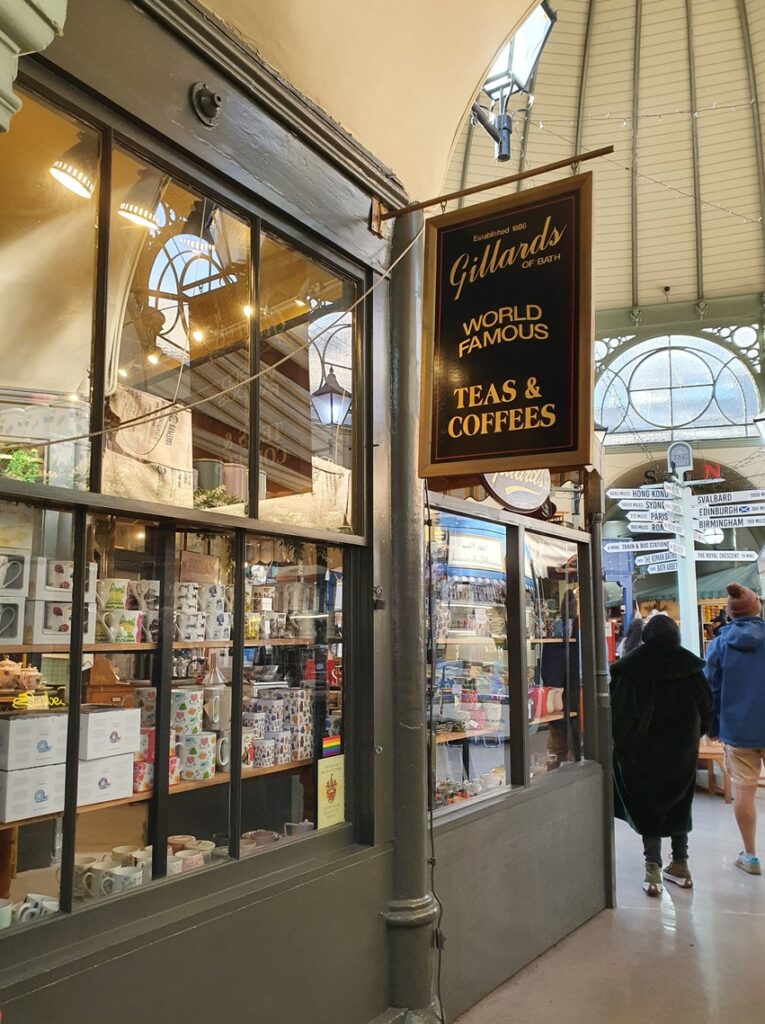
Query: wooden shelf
column 451, row 737
column 556, row 717
column 178, row 645
column 219, row 779
column 65, row 648
column 546, row 640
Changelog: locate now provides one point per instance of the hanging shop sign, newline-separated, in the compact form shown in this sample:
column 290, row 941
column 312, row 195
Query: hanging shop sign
column 507, row 334
column 472, row 551
column 525, row 491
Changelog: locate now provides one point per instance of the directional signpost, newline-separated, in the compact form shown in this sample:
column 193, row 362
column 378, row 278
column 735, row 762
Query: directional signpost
column 673, row 509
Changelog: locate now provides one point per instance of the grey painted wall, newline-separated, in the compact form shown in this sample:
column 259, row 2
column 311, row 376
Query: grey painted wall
column 313, row 950
column 516, row 878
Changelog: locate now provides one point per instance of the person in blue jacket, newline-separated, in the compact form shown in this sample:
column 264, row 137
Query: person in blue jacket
column 736, row 673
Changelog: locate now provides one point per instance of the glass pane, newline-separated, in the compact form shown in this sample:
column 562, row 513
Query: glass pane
column 35, row 582
column 178, row 335
column 198, row 824
column 293, row 752
column 553, row 653
column 48, row 207
column 113, row 849
column 471, row 710
column 306, row 390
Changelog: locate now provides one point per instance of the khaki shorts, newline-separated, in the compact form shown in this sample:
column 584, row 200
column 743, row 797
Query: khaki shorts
column 744, row 764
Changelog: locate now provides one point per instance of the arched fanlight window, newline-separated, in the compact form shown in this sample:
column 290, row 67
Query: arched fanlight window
column 674, row 387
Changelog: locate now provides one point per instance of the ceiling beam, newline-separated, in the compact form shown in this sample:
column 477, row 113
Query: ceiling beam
column 755, row 104
column 583, row 76
column 634, row 170
column 696, row 159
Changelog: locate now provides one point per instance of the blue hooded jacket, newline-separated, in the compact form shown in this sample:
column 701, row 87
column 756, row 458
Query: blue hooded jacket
column 736, row 673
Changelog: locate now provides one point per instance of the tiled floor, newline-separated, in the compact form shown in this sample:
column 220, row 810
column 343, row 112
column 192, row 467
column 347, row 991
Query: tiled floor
column 691, row 957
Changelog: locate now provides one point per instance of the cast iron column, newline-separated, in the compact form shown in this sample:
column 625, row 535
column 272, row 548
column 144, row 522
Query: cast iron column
column 412, row 909
column 602, row 684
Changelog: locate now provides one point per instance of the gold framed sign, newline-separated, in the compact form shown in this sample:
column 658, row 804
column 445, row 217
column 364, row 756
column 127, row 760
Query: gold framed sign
column 507, row 375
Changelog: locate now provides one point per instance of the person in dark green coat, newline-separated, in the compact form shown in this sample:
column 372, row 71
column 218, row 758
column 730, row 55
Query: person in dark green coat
column 661, row 706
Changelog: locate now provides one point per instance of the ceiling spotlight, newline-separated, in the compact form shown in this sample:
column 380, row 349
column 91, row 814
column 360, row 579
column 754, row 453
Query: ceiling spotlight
column 139, row 205
column 76, row 169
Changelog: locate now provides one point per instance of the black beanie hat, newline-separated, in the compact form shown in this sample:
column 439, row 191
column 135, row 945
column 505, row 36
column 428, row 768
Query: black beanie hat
column 661, row 632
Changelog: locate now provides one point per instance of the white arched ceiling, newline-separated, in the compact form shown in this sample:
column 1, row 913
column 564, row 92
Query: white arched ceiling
column 675, row 88
column 398, row 76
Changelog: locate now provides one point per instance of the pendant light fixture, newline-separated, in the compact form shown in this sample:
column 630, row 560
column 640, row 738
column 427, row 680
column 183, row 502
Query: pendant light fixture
column 198, row 229
column 139, row 205
column 77, row 168
column 331, row 402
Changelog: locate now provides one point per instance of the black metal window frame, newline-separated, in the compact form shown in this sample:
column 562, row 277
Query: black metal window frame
column 116, row 129
column 516, row 529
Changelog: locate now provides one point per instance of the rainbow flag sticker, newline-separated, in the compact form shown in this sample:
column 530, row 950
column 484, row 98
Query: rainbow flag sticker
column 331, row 745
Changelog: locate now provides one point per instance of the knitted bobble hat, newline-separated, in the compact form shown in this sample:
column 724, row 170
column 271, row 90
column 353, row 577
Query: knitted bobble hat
column 742, row 601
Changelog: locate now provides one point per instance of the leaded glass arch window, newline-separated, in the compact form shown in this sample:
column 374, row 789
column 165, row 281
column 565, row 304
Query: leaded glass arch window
column 674, row 387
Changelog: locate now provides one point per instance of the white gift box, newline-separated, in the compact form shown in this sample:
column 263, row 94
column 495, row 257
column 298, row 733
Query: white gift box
column 36, row 633
column 11, row 620
column 40, row 589
column 14, row 572
column 32, row 792
column 105, row 778
column 30, row 741
column 105, row 732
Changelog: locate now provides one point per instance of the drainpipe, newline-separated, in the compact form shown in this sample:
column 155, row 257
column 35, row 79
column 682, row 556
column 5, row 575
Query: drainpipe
column 26, row 26
column 412, row 910
column 602, row 683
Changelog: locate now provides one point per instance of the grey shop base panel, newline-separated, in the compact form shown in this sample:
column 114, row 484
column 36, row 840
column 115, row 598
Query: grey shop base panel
column 516, row 878
column 315, row 951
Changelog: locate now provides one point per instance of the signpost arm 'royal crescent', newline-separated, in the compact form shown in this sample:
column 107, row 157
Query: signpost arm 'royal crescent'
column 507, row 334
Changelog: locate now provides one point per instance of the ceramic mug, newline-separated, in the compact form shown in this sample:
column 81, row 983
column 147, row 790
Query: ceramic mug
column 174, row 776
column 112, row 593
column 150, row 626
column 25, row 912
column 82, row 863
column 262, row 836
column 143, row 860
column 6, row 914
column 223, row 751
column 187, row 597
column 58, row 617
column 59, row 574
column 186, row 710
column 174, row 865
column 8, row 615
column 264, row 753
column 217, row 707
column 282, row 745
column 143, row 777
column 252, row 621
column 10, row 571
column 248, row 748
column 124, row 856
column 145, row 594
column 212, row 598
column 218, row 626
column 256, row 721
column 177, row 843
column 119, row 626
column 273, row 709
column 190, row 859
column 94, row 878
column 146, row 699
column 203, row 846
column 197, row 755
column 189, row 625
column 121, row 878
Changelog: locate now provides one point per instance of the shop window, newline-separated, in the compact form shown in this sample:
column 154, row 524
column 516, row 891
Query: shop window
column 553, row 652
column 470, row 705
column 178, row 345
column 292, row 751
column 308, row 390
column 48, row 206
column 35, row 632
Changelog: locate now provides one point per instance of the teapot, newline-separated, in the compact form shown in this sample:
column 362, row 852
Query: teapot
column 29, row 679
column 9, row 673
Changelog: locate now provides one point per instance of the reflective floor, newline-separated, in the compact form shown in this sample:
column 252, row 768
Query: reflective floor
column 691, row 957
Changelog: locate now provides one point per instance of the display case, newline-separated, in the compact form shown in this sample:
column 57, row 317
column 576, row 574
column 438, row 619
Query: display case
column 509, row 616
column 469, row 701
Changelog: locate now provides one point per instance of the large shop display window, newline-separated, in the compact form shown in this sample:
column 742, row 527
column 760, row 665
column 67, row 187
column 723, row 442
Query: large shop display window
column 553, row 646
column 221, row 740
column 48, row 203
column 203, row 361
column 470, row 703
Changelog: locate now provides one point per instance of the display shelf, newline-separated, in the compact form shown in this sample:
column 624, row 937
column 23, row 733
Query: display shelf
column 545, row 640
column 65, row 648
column 219, row 779
column 471, row 604
column 469, row 734
column 556, row 717
column 178, row 645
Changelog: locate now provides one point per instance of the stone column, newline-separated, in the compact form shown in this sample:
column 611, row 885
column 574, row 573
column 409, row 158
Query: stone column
column 26, row 26
column 412, row 910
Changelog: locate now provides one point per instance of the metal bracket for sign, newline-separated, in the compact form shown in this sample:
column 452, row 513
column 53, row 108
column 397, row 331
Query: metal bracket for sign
column 572, row 162
column 376, row 214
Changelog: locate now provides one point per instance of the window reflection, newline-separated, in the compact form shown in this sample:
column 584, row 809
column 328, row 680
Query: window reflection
column 306, row 391
column 179, row 332
column 48, row 206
